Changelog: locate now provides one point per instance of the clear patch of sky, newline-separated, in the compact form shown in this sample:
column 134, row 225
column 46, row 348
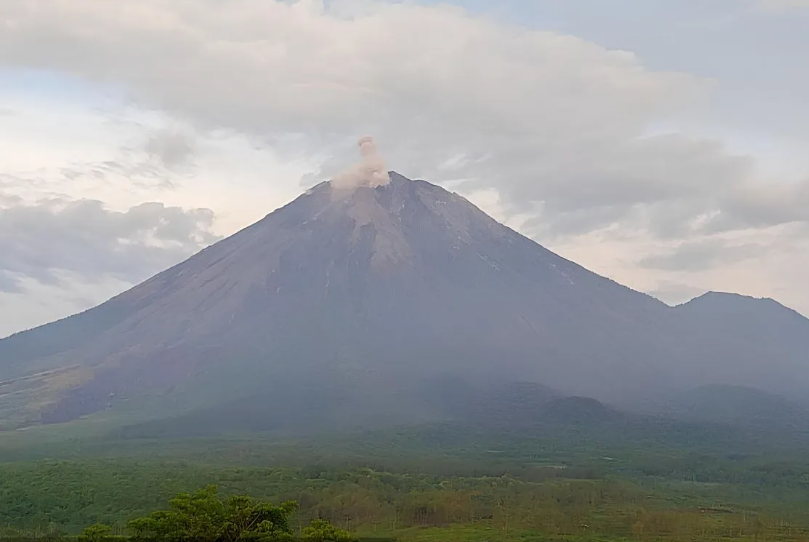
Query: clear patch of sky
column 54, row 108
column 53, row 119
column 22, row 83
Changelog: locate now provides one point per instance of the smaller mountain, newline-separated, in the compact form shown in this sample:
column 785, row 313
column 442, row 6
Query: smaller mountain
column 745, row 341
column 738, row 406
column 580, row 411
column 511, row 406
column 516, row 403
column 524, row 405
column 764, row 317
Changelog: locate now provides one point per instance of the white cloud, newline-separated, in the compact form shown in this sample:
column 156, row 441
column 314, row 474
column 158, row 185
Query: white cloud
column 436, row 78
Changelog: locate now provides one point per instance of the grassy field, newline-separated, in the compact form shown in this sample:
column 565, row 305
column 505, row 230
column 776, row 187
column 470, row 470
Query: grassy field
column 443, row 482
column 51, row 496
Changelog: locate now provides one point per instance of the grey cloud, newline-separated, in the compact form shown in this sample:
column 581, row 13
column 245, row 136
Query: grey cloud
column 7, row 200
column 658, row 184
column 706, row 254
column 762, row 206
column 157, row 159
column 170, row 148
column 128, row 167
column 85, row 238
column 9, row 283
column 781, row 5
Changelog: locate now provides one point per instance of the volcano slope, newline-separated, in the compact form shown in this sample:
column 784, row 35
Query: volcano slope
column 349, row 307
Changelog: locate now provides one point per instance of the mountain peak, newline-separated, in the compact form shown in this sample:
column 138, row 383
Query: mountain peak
column 732, row 302
column 727, row 296
column 383, row 213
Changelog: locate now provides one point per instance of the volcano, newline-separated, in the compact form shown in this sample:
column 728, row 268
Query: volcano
column 366, row 306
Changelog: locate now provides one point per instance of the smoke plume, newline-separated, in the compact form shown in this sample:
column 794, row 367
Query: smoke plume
column 370, row 171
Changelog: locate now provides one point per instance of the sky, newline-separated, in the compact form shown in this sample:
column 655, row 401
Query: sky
column 660, row 143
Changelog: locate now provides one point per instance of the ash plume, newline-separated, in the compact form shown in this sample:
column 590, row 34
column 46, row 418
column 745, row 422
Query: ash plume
column 370, row 171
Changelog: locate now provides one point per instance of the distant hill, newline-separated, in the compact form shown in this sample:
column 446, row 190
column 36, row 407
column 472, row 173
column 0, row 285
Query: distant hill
column 387, row 305
column 748, row 342
column 737, row 405
column 526, row 405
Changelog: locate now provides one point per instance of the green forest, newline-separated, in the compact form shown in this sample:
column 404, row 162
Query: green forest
column 421, row 484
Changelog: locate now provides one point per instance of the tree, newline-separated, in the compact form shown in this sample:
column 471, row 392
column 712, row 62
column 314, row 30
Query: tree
column 321, row 530
column 203, row 517
column 247, row 519
column 96, row 533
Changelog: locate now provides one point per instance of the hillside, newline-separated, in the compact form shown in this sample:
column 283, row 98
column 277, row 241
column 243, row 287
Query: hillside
column 740, row 406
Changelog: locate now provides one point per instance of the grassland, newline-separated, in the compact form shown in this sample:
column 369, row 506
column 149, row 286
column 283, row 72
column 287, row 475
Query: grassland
column 442, row 482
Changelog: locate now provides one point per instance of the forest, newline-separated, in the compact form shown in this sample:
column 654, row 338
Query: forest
column 420, row 484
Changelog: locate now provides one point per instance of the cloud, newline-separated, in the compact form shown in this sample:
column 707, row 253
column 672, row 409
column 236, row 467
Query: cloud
column 9, row 283
column 170, row 147
column 7, row 199
column 546, row 118
column 782, row 4
column 558, row 125
column 41, row 241
column 760, row 205
column 701, row 255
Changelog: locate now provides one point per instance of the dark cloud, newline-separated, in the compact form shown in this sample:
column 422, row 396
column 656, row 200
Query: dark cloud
column 83, row 237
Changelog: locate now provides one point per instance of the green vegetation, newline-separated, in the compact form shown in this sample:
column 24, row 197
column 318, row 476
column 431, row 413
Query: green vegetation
column 203, row 517
column 444, row 482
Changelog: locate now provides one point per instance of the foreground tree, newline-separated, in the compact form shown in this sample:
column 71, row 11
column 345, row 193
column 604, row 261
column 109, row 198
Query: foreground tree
column 96, row 533
column 204, row 517
column 323, row 531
